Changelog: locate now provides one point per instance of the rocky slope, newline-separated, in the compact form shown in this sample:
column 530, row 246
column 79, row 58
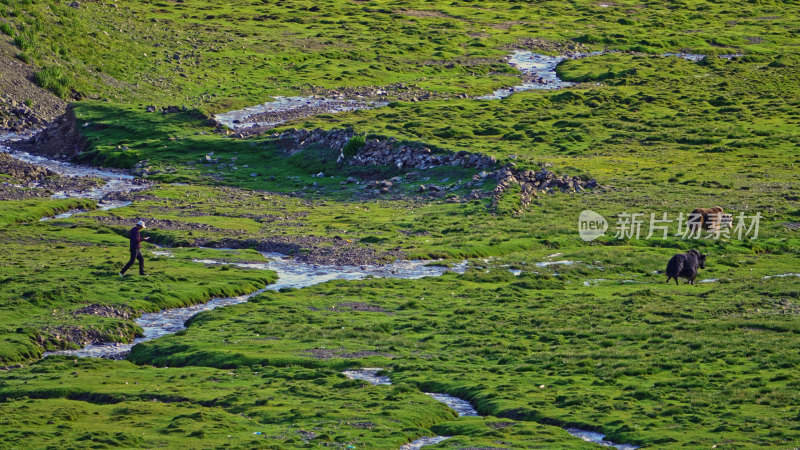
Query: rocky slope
column 23, row 104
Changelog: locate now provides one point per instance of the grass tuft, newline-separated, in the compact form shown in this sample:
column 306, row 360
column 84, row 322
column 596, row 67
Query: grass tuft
column 55, row 80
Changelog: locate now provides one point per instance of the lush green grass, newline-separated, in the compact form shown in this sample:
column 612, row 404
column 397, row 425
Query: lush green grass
column 643, row 361
column 55, row 80
column 16, row 211
column 58, row 400
column 119, row 52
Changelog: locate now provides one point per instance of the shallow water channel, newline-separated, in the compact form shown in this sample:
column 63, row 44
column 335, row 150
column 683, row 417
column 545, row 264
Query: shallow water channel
column 464, row 408
column 115, row 182
column 291, row 274
column 283, row 109
column 538, row 71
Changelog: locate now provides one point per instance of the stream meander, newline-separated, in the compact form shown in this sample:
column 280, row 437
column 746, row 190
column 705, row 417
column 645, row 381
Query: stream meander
column 465, row 408
column 291, row 274
column 538, row 72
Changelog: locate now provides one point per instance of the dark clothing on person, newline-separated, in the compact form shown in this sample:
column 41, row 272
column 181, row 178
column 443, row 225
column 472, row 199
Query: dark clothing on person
column 136, row 238
column 136, row 252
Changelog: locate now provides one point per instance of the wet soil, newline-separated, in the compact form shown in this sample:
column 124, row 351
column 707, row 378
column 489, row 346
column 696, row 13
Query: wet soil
column 310, row 249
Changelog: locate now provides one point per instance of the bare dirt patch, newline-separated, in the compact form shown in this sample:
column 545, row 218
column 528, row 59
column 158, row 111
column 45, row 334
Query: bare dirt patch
column 360, row 306
column 425, row 14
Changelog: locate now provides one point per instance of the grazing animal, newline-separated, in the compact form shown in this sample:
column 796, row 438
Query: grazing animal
column 710, row 219
column 685, row 265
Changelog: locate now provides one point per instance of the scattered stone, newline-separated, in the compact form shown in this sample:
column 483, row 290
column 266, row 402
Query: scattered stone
column 103, row 311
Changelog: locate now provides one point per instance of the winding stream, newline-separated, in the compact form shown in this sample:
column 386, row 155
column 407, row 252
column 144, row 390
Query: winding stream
column 115, row 181
column 465, row 408
column 538, row 72
column 283, row 109
column 291, row 274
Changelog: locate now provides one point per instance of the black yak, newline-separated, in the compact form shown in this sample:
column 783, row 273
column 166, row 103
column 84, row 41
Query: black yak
column 685, row 265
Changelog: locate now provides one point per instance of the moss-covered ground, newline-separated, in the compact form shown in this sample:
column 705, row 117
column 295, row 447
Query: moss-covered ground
column 601, row 343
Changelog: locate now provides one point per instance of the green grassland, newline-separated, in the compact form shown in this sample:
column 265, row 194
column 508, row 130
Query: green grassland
column 50, row 270
column 19, row 211
column 642, row 361
column 205, row 407
column 601, row 344
column 220, row 54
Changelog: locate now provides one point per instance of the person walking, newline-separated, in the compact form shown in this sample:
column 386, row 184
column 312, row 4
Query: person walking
column 136, row 251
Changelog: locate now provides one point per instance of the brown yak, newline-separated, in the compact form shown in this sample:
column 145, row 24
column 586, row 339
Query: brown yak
column 710, row 219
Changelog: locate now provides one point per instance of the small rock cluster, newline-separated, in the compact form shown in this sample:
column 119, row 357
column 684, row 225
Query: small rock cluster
column 166, row 110
column 18, row 117
column 566, row 48
column 142, row 168
column 408, row 156
column 393, row 92
column 382, row 151
column 533, row 183
column 389, row 152
column 103, row 311
column 25, row 180
column 21, row 171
